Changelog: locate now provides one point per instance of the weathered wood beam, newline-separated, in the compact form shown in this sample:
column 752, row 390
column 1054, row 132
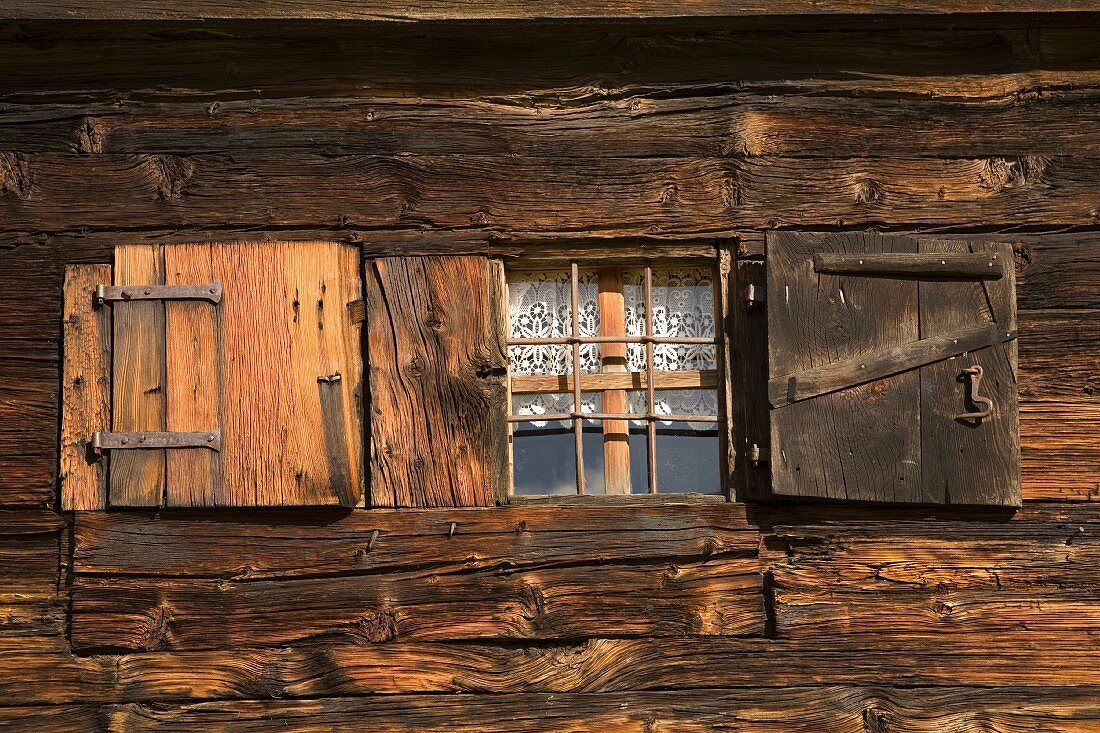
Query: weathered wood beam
column 554, row 383
column 826, row 709
column 672, row 196
column 436, row 10
column 731, row 124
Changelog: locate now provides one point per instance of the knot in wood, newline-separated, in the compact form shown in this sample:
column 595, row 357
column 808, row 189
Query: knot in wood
column 434, row 320
column 169, row 174
column 869, row 191
column 16, row 177
column 89, row 136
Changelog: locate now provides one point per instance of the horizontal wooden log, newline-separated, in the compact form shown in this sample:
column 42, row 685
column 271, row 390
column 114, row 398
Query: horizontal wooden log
column 239, row 61
column 797, row 710
column 1059, row 355
column 736, row 124
column 629, row 196
column 275, row 545
column 720, row 597
column 938, row 578
column 55, row 718
column 378, row 10
column 1060, row 450
column 599, row 666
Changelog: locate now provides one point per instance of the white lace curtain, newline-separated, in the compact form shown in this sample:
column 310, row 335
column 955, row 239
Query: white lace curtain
column 683, row 305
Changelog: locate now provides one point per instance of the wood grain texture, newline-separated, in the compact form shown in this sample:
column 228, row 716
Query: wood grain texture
column 601, row 125
column 194, row 362
column 291, row 366
column 858, row 443
column 435, row 345
column 628, row 196
column 271, row 545
column 86, row 388
column 827, row 709
column 137, row 477
column 966, row 461
column 718, row 598
column 435, row 10
column 616, row 433
column 1060, row 450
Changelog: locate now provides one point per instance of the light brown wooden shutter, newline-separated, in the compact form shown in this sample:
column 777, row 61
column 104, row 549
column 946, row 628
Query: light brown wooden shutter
column 273, row 369
column 870, row 339
column 437, row 365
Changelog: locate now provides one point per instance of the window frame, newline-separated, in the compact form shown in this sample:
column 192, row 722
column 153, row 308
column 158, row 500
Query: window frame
column 715, row 255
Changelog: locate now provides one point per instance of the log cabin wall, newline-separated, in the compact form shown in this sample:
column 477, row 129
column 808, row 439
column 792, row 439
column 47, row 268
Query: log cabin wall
column 472, row 137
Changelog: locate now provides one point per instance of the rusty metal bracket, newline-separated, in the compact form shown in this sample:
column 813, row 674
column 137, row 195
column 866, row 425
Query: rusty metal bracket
column 211, row 439
column 211, row 292
column 974, row 376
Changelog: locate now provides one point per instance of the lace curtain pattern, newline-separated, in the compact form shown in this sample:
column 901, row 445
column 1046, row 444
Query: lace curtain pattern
column 683, row 305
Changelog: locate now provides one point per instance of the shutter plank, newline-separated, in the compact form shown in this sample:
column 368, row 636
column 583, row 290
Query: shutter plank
column 193, row 368
column 137, row 477
column 291, row 431
column 437, row 395
column 860, row 443
column 966, row 462
column 86, row 388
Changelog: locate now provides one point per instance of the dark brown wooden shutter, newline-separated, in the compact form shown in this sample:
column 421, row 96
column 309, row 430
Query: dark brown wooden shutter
column 255, row 385
column 437, row 367
column 873, row 341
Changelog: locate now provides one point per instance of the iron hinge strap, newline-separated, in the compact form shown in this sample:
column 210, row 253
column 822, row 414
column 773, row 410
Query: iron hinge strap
column 211, row 292
column 211, row 439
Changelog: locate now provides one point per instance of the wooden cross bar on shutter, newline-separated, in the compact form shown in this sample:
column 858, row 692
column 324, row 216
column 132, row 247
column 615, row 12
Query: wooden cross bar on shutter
column 235, row 377
column 892, row 365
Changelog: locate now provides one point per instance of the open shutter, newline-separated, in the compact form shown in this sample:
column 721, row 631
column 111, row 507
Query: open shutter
column 892, row 369
column 235, row 376
column 435, row 346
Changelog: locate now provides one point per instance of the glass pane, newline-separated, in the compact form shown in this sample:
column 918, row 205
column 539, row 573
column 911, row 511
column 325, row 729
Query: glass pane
column 539, row 304
column 686, row 402
column 594, row 476
column 543, row 459
column 687, row 459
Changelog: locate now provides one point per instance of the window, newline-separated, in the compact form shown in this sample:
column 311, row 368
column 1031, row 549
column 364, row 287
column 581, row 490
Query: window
column 645, row 416
column 229, row 375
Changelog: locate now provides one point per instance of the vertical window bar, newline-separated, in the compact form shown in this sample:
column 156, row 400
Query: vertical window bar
column 578, row 423
column 651, row 424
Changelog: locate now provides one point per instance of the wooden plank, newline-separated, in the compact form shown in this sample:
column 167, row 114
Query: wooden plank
column 749, row 380
column 603, row 666
column 556, row 383
column 721, row 597
column 967, row 461
column 58, row 718
column 788, row 389
column 1060, row 451
column 274, row 545
column 193, row 367
column 616, row 433
column 1060, row 355
column 920, row 265
column 834, row 446
column 137, row 477
column 435, row 346
column 614, row 196
column 438, row 10
column 86, row 388
column 741, row 123
column 538, row 63
column 812, row 709
column 292, row 373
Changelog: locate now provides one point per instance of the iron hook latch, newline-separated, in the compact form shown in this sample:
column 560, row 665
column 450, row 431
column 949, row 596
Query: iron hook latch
column 974, row 376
